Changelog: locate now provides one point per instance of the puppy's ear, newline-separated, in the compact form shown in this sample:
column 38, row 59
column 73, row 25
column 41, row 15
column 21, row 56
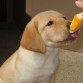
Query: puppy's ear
column 31, row 38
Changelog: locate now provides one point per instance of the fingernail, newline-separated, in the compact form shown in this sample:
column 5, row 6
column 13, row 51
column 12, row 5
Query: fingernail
column 77, row 2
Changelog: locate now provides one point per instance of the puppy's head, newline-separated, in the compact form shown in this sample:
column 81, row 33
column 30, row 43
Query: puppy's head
column 48, row 28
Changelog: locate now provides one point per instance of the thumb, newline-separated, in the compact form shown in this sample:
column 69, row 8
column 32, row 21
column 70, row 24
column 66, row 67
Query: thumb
column 79, row 4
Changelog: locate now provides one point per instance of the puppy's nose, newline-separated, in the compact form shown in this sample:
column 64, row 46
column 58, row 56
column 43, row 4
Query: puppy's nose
column 68, row 25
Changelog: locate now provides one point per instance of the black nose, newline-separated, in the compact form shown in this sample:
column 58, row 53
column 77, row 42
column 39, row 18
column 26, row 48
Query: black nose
column 68, row 25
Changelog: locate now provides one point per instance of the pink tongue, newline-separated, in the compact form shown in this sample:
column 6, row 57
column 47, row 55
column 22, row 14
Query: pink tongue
column 74, row 35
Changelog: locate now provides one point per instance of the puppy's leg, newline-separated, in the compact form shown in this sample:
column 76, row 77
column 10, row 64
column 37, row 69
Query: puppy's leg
column 44, row 80
column 52, row 79
column 48, row 80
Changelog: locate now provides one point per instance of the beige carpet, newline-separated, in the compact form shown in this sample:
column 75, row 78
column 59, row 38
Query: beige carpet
column 70, row 69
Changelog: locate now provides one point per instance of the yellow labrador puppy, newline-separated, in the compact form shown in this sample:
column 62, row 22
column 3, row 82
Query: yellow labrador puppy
column 36, row 59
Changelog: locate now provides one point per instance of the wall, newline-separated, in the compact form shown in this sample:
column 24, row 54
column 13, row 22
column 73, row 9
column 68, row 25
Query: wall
column 66, row 7
column 9, row 10
column 19, row 14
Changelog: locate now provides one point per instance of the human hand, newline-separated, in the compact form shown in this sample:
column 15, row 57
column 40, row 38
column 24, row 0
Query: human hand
column 79, row 3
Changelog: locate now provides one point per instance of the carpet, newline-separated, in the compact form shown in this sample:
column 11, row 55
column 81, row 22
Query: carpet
column 70, row 68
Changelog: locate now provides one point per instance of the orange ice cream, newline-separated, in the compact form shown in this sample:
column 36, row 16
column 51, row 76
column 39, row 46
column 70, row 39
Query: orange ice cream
column 76, row 23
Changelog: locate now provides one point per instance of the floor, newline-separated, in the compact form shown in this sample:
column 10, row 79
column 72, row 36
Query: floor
column 70, row 69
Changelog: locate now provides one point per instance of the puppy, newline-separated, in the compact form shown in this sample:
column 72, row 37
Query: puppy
column 36, row 59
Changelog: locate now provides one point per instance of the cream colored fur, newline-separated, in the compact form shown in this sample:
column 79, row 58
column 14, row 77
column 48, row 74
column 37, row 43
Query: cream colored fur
column 36, row 59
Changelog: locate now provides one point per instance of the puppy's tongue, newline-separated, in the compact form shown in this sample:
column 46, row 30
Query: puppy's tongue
column 74, row 35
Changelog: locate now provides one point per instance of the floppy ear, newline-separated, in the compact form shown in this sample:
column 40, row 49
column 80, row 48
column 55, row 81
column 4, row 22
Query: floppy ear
column 31, row 39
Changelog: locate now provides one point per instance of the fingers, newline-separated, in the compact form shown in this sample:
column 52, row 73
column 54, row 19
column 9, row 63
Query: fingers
column 79, row 4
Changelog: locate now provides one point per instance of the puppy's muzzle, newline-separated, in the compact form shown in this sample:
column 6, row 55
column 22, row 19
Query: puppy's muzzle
column 74, row 35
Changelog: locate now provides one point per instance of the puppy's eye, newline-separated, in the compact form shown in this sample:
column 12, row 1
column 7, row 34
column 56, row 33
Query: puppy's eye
column 49, row 23
column 65, row 18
